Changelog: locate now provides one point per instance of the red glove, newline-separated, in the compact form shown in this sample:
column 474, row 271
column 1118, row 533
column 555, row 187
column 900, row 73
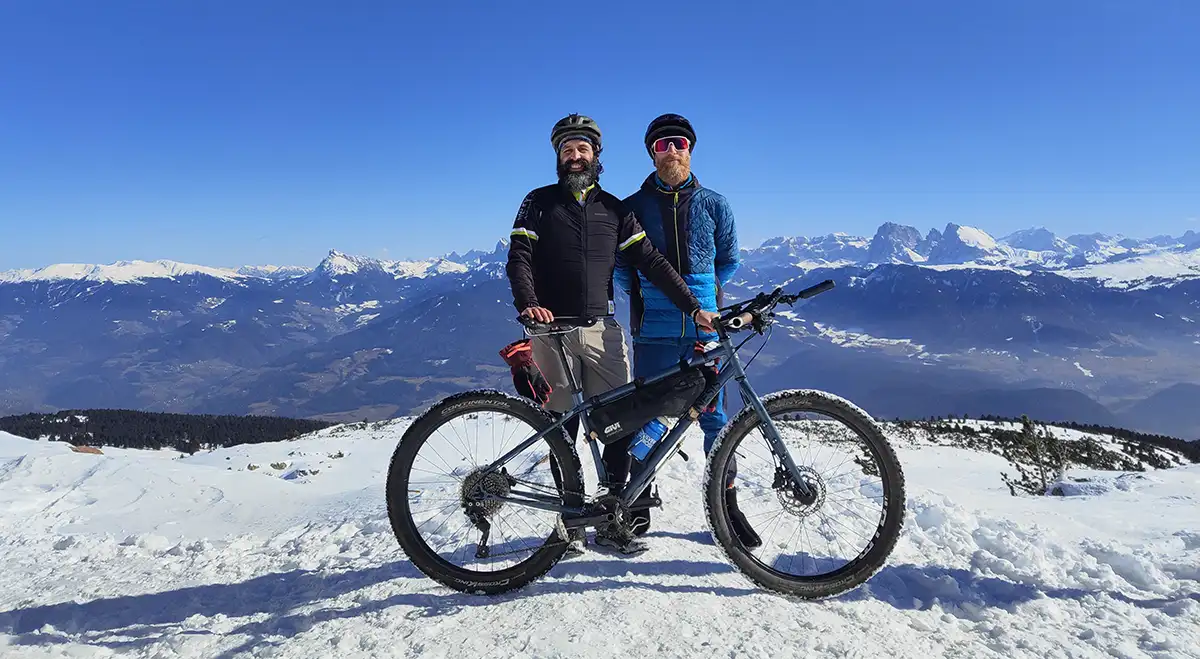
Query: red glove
column 527, row 377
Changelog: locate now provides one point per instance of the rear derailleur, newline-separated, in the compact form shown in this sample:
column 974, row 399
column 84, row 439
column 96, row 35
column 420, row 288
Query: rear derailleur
column 476, row 487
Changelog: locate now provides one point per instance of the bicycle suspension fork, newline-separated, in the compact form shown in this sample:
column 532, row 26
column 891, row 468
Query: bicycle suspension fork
column 769, row 430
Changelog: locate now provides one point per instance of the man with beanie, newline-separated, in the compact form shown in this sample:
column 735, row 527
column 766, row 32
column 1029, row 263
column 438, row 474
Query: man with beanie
column 560, row 266
column 694, row 229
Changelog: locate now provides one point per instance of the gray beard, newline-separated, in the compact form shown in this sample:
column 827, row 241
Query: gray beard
column 579, row 181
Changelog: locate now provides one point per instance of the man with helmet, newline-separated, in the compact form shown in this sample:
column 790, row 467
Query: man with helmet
column 694, row 229
column 565, row 239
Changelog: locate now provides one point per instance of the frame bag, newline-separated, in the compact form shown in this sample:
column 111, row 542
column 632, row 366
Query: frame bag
column 671, row 396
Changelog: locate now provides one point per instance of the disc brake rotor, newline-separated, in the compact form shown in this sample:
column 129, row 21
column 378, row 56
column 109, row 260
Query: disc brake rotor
column 794, row 500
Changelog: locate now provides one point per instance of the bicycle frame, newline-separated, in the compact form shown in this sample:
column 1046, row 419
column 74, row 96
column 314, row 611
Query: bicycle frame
column 667, row 447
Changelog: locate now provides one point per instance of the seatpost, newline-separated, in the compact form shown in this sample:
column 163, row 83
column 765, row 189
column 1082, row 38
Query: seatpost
column 585, row 425
column 576, row 388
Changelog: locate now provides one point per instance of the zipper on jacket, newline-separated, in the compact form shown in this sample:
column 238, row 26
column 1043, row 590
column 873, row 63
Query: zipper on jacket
column 678, row 260
column 584, row 229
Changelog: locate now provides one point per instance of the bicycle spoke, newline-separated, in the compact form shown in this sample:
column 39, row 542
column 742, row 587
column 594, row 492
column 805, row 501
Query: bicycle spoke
column 440, row 502
column 843, row 500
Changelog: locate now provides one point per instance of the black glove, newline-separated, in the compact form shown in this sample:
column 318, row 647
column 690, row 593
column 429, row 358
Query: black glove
column 527, row 377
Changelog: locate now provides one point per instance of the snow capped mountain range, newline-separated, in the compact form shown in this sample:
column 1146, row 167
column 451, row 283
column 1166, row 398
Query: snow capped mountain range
column 338, row 263
column 129, row 272
column 121, row 272
column 940, row 320
column 276, row 272
column 1114, row 260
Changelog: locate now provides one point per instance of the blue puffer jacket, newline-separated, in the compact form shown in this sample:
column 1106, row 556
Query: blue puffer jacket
column 693, row 227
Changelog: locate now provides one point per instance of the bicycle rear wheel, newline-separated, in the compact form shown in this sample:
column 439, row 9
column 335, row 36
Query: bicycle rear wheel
column 434, row 485
column 821, row 540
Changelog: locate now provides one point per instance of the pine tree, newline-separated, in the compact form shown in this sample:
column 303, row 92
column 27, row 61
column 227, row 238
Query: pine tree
column 1039, row 458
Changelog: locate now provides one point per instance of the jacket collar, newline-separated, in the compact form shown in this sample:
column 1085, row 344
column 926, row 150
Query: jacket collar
column 654, row 184
column 586, row 196
column 580, row 196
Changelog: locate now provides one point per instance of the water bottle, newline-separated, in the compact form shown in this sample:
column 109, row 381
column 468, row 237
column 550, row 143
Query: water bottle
column 645, row 439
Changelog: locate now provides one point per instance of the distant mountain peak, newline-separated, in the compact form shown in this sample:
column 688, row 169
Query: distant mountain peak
column 477, row 256
column 895, row 243
column 966, row 244
column 977, row 238
column 1037, row 239
column 339, row 263
column 1092, row 241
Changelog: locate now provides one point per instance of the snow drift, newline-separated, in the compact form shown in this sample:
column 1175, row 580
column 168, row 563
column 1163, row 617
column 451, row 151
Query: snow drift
column 150, row 554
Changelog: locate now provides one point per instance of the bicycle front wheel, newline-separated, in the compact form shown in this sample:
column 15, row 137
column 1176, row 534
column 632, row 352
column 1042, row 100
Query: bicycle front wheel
column 440, row 492
column 817, row 540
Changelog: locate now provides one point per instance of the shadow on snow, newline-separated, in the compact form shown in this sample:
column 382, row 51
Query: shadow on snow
column 139, row 620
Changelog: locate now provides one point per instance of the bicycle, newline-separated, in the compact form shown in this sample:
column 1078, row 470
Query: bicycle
column 481, row 491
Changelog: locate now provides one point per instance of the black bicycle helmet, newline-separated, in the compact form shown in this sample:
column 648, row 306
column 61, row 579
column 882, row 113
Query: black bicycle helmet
column 668, row 125
column 575, row 126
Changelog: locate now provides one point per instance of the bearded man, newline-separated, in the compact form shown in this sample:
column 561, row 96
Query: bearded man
column 694, row 229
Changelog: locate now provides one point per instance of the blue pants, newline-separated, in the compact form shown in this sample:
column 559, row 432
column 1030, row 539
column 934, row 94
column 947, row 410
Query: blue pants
column 650, row 357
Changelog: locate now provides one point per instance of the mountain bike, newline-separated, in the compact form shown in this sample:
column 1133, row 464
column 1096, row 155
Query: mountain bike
column 528, row 500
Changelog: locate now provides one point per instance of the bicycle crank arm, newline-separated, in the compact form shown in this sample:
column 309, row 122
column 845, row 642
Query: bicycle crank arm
column 593, row 520
column 646, row 502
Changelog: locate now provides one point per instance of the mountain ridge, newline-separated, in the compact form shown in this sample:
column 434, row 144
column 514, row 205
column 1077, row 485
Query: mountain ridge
column 335, row 340
column 955, row 244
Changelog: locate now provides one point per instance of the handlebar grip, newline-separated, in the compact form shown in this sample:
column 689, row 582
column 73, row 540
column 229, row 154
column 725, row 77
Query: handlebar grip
column 816, row 289
column 559, row 322
column 739, row 321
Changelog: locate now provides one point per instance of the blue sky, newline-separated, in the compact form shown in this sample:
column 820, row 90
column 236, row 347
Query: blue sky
column 270, row 132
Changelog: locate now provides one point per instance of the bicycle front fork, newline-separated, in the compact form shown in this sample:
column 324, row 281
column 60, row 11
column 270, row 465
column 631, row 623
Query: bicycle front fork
column 772, row 433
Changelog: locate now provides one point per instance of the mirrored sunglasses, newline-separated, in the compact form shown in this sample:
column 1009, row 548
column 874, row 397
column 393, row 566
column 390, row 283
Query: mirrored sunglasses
column 663, row 143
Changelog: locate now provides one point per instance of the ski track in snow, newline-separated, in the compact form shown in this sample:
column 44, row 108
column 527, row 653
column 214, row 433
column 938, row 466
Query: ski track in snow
column 134, row 553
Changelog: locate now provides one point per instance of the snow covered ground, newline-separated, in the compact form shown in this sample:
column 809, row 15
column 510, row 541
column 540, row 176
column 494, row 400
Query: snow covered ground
column 285, row 550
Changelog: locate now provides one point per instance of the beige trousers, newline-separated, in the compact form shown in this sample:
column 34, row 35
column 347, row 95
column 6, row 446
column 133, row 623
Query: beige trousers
column 597, row 357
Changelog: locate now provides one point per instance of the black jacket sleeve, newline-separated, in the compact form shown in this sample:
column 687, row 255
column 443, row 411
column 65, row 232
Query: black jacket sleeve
column 636, row 249
column 520, row 255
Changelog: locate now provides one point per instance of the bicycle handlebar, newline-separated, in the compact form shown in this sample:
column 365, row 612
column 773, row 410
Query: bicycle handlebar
column 738, row 322
column 751, row 312
column 559, row 323
column 748, row 313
